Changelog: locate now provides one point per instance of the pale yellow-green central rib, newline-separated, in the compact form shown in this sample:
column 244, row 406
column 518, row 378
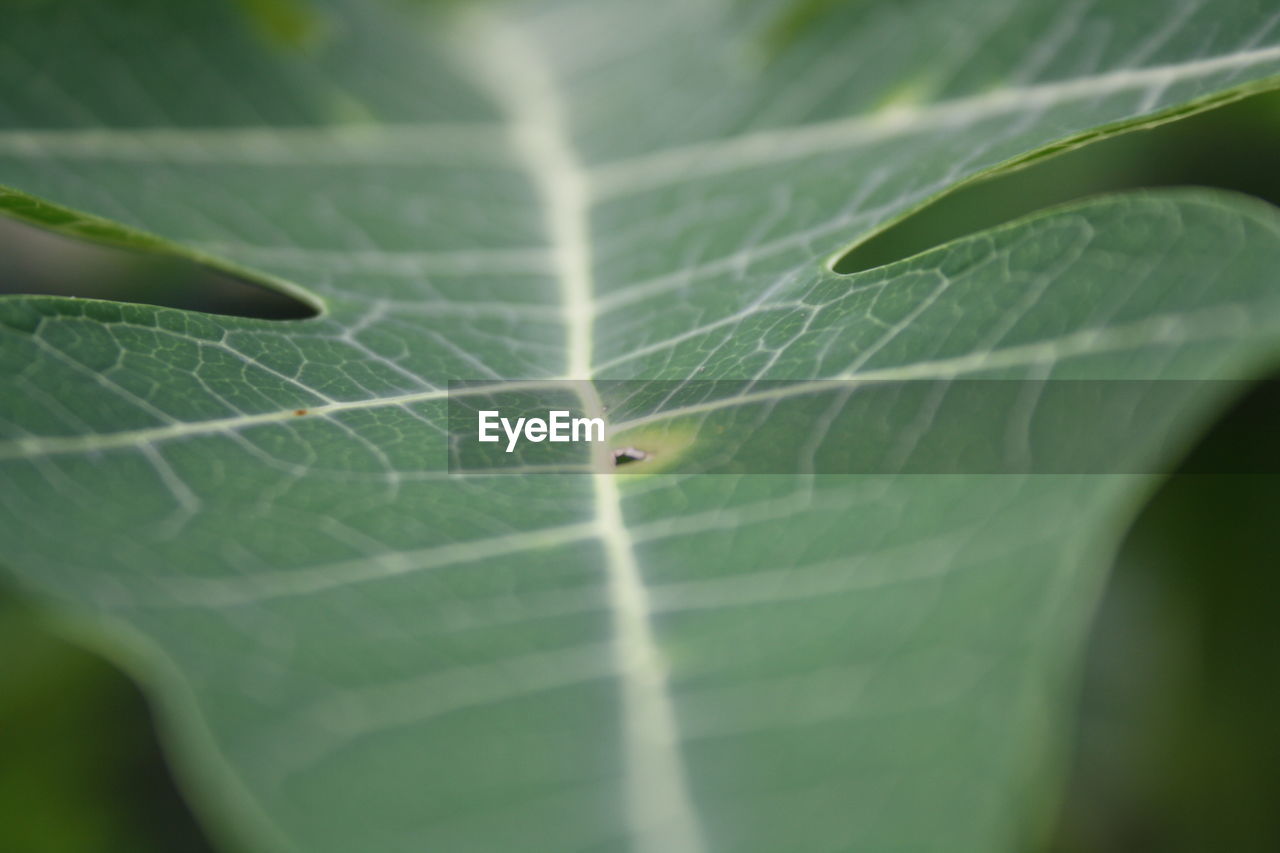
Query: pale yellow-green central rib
column 659, row 809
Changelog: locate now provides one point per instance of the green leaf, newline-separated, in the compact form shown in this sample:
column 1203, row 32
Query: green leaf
column 354, row 650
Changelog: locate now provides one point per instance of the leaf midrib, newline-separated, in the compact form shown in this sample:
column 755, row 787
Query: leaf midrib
column 659, row 810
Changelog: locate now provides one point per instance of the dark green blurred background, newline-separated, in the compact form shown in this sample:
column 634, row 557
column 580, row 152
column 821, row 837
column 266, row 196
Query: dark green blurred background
column 1176, row 746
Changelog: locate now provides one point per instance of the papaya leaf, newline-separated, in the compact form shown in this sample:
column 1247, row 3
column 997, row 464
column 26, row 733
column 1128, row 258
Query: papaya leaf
column 353, row 649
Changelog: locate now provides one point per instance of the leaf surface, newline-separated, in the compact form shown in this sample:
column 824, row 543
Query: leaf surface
column 357, row 651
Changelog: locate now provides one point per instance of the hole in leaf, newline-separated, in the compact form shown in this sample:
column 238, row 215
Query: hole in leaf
column 36, row 261
column 627, row 455
column 1176, row 744
column 1232, row 147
